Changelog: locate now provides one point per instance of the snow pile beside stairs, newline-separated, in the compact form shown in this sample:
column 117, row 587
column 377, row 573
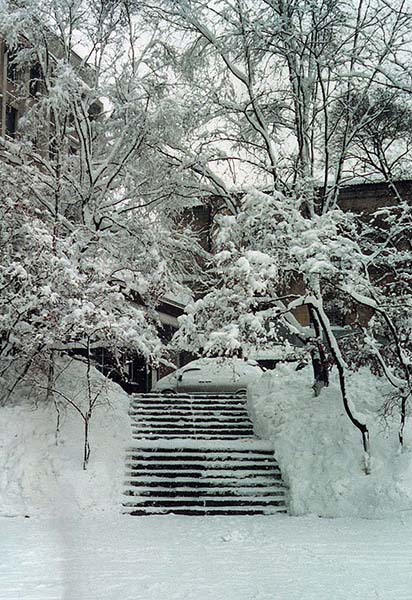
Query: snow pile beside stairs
column 320, row 452
column 40, row 478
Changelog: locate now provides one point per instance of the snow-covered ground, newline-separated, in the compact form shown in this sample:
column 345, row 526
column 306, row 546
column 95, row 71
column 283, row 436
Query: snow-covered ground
column 320, row 452
column 62, row 536
column 39, row 477
column 208, row 558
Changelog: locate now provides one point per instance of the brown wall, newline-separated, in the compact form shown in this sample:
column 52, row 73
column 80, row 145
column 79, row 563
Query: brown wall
column 368, row 197
column 362, row 199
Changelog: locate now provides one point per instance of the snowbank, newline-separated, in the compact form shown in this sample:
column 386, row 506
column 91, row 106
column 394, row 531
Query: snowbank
column 320, row 452
column 40, row 477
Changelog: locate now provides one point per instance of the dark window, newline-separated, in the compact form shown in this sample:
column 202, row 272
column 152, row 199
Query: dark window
column 336, row 312
column 94, row 111
column 36, row 77
column 11, row 121
column 52, row 149
column 12, row 70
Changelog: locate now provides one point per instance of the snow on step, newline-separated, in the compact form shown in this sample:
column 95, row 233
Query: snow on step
column 199, row 456
column 187, row 445
column 189, row 490
column 203, row 511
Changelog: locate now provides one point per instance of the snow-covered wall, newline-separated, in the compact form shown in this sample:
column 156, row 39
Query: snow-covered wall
column 40, row 478
column 320, row 452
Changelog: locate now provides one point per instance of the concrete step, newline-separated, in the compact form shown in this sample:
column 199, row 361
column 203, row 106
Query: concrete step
column 181, row 412
column 236, row 447
column 189, row 397
column 175, row 412
column 205, row 512
column 203, row 466
column 207, row 503
column 183, row 431
column 213, row 484
column 191, row 405
column 199, row 456
column 202, row 425
column 217, row 476
column 212, row 457
column 198, row 436
column 221, row 492
column 154, row 421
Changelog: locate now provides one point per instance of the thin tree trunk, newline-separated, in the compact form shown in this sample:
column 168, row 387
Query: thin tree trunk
column 324, row 322
column 86, row 447
column 87, row 416
column 401, row 433
column 318, row 355
column 51, row 396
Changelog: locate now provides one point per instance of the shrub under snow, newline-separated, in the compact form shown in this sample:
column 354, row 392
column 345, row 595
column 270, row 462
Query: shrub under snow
column 320, row 452
column 40, row 478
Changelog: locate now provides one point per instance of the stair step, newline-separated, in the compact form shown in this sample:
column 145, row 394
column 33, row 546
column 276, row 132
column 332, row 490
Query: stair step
column 205, row 512
column 211, row 448
column 205, row 477
column 151, row 395
column 213, row 483
column 159, row 398
column 224, row 430
column 204, row 474
column 203, row 466
column 189, row 406
column 189, row 414
column 183, row 433
column 189, row 422
column 236, row 492
column 212, row 502
column 193, row 425
column 162, row 411
column 197, row 436
column 198, row 401
column 238, row 433
column 202, row 426
column 208, row 458
column 189, row 399
column 167, row 420
column 200, row 429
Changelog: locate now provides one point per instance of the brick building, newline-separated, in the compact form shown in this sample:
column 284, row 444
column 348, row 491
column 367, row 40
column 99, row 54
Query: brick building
column 21, row 85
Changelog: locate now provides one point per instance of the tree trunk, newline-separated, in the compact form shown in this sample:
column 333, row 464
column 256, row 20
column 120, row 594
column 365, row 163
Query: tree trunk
column 324, row 323
column 86, row 445
column 403, row 421
column 318, row 355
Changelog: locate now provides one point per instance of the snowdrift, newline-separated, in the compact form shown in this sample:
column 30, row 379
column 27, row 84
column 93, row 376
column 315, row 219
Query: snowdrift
column 320, row 452
column 39, row 477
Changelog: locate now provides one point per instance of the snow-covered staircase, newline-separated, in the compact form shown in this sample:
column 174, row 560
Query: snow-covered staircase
column 199, row 456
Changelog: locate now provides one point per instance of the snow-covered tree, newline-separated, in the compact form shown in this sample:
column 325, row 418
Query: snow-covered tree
column 275, row 84
column 293, row 95
column 89, row 231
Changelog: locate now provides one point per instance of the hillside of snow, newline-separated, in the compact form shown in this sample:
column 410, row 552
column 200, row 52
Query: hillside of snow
column 41, row 471
column 320, row 452
column 318, row 449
